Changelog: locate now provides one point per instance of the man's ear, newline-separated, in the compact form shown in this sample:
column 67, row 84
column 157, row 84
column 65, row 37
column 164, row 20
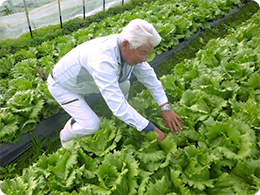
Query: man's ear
column 125, row 45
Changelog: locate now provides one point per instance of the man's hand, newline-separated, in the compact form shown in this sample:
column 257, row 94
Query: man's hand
column 161, row 134
column 172, row 120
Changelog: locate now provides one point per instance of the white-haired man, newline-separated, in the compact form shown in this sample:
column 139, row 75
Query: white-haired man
column 105, row 65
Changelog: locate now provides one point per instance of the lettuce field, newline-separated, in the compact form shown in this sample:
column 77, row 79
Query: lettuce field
column 26, row 100
column 217, row 94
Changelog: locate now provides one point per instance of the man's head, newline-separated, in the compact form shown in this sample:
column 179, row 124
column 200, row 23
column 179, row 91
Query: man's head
column 137, row 40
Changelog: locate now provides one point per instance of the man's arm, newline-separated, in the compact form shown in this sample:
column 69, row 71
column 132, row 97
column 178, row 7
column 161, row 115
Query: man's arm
column 161, row 135
column 145, row 74
column 106, row 80
column 171, row 119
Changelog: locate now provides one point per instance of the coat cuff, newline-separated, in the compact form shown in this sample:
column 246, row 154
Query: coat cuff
column 149, row 127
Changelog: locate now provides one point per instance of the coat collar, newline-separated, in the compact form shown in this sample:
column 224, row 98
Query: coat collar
column 120, row 59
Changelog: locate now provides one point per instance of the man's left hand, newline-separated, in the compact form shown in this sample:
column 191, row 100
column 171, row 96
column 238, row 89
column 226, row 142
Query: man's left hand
column 172, row 120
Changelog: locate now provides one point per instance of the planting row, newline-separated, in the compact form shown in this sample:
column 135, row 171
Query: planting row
column 217, row 152
column 25, row 99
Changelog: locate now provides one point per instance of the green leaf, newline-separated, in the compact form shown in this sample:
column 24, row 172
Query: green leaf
column 122, row 160
column 253, row 81
column 21, row 83
column 121, row 184
column 150, row 56
column 107, row 175
column 234, row 139
column 13, row 187
column 45, row 49
column 196, row 174
column 63, row 173
column 248, row 110
column 222, row 185
column 173, row 86
column 151, row 153
column 8, row 126
column 246, row 176
column 95, row 189
column 201, row 102
column 144, row 177
column 6, row 64
column 179, row 185
column 90, row 164
column 26, row 103
column 25, row 67
column 168, row 144
column 159, row 187
column 104, row 140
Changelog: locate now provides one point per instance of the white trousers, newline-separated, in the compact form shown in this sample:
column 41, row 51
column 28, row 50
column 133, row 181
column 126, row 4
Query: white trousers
column 87, row 122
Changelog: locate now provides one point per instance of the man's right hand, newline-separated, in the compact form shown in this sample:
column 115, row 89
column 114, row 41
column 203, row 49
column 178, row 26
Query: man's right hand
column 161, row 134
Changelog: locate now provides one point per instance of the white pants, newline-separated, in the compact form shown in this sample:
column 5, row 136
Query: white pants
column 87, row 122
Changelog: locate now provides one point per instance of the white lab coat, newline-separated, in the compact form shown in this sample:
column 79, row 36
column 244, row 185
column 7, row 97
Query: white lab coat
column 95, row 66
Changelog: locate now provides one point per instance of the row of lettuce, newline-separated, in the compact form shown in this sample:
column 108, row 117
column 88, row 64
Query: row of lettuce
column 217, row 152
column 24, row 98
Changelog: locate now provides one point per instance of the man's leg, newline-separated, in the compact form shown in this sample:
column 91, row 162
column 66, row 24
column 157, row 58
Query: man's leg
column 86, row 121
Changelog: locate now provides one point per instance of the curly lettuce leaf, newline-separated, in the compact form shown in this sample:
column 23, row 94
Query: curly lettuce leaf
column 159, row 187
column 178, row 184
column 223, row 185
column 246, row 176
column 6, row 64
column 200, row 102
column 26, row 103
column 150, row 153
column 196, row 173
column 104, row 140
column 232, row 138
column 248, row 110
column 125, row 160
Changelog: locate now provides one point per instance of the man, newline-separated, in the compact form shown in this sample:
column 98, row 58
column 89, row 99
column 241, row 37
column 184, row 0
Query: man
column 105, row 65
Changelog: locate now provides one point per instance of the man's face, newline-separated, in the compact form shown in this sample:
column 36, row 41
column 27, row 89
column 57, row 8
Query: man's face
column 135, row 56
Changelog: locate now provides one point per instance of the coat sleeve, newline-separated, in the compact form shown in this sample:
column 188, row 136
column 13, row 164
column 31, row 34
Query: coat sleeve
column 146, row 75
column 105, row 77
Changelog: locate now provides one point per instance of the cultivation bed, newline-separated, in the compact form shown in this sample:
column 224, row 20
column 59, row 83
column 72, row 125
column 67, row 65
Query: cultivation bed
column 49, row 128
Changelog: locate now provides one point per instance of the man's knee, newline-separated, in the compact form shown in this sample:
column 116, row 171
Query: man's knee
column 88, row 128
column 72, row 129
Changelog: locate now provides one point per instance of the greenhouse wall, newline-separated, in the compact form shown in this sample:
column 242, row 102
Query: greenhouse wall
column 13, row 20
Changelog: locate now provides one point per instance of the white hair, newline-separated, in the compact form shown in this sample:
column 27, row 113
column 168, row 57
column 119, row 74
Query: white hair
column 138, row 33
